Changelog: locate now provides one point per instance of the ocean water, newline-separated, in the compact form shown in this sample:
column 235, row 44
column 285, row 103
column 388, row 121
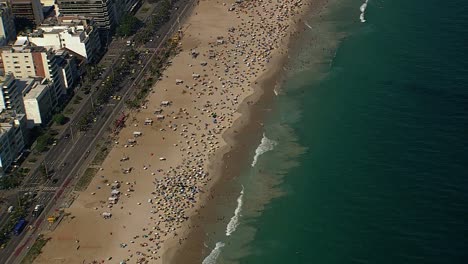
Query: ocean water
column 364, row 158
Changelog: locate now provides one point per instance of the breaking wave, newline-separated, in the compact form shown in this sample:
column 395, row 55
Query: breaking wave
column 265, row 145
column 213, row 256
column 363, row 11
column 234, row 222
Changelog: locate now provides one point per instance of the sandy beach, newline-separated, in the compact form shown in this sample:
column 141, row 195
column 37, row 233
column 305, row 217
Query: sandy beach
column 139, row 205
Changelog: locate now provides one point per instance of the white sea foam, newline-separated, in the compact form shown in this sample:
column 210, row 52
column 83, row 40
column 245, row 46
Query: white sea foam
column 276, row 92
column 214, row 254
column 363, row 11
column 307, row 24
column 234, row 222
column 265, row 146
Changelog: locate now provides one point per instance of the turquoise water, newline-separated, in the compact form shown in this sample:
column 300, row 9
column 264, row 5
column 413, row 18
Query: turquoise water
column 367, row 157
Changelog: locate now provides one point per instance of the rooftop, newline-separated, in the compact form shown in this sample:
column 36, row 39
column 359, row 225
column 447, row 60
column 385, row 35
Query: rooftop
column 7, row 117
column 22, row 45
column 36, row 90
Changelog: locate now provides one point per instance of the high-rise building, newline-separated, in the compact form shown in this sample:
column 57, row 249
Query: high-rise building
column 68, row 69
column 74, row 33
column 38, row 101
column 7, row 24
column 11, row 97
column 12, row 139
column 27, row 12
column 24, row 60
column 104, row 12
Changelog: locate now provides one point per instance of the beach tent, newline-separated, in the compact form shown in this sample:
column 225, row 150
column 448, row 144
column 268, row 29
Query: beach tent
column 160, row 117
column 137, row 133
column 211, row 54
column 165, row 103
column 126, row 170
column 106, row 215
column 115, row 192
column 148, row 121
column 179, row 81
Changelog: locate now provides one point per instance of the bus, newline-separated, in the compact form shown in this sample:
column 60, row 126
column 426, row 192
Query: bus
column 19, row 226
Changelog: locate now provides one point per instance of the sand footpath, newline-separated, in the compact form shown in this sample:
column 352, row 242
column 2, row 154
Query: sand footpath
column 138, row 206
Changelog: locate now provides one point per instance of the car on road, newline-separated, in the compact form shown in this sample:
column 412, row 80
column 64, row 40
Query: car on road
column 37, row 210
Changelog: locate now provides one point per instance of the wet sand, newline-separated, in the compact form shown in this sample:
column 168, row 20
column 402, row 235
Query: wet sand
column 174, row 161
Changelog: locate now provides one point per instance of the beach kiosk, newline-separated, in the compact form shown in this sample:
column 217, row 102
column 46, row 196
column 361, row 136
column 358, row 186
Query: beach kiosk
column 137, row 133
column 179, row 81
column 160, row 117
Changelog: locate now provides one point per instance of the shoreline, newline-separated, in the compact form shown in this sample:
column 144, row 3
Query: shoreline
column 246, row 132
column 237, row 118
column 253, row 111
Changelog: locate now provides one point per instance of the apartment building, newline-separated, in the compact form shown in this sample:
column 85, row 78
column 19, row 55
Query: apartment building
column 12, row 138
column 7, row 24
column 77, row 34
column 24, row 60
column 11, row 98
column 38, row 101
column 104, row 12
column 68, row 69
column 27, row 11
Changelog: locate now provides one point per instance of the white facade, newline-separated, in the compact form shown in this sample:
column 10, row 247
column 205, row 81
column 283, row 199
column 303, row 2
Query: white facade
column 38, row 102
column 26, row 61
column 23, row 60
column 76, row 36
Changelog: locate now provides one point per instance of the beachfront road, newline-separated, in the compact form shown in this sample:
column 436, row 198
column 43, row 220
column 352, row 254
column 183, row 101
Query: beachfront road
column 72, row 154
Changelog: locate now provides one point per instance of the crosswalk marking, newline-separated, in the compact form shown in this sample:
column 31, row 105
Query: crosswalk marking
column 49, row 189
column 37, row 189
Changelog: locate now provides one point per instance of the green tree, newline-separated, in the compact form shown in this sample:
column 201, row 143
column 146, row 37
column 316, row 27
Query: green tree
column 10, row 181
column 128, row 26
column 43, row 141
column 83, row 122
column 60, row 119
